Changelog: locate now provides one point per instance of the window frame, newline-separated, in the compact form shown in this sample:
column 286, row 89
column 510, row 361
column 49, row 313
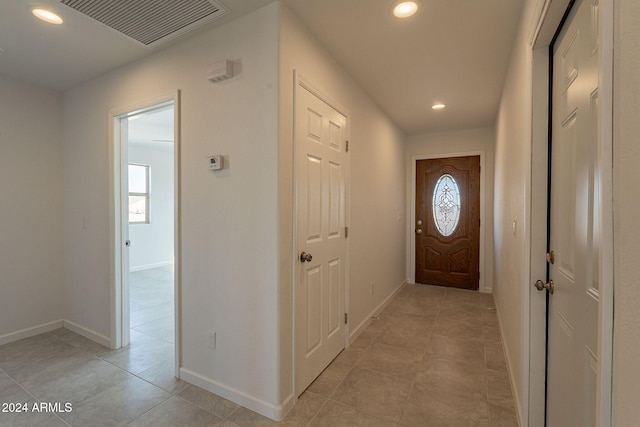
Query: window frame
column 146, row 194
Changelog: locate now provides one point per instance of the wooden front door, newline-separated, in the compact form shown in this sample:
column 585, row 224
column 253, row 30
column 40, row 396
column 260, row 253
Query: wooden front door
column 447, row 228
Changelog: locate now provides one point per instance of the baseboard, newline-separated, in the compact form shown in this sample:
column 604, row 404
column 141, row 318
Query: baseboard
column 485, row 290
column 353, row 335
column 509, row 369
column 283, row 409
column 150, row 266
column 29, row 332
column 274, row 412
column 88, row 333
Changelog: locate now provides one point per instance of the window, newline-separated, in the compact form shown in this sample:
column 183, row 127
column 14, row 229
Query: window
column 446, row 205
column 138, row 194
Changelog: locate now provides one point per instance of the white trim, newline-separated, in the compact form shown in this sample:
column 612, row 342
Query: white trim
column 411, row 274
column 604, row 411
column 274, row 412
column 509, row 372
column 546, row 25
column 50, row 326
column 30, row 332
column 363, row 325
column 120, row 290
column 299, row 80
column 87, row 333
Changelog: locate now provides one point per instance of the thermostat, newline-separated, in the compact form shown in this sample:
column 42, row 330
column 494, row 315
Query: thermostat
column 215, row 162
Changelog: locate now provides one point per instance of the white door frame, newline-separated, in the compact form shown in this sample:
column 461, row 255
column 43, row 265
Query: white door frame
column 482, row 285
column 301, row 82
column 546, row 21
column 118, row 208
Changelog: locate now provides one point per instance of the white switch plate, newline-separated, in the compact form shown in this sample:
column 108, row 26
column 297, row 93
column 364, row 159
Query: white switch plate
column 215, row 162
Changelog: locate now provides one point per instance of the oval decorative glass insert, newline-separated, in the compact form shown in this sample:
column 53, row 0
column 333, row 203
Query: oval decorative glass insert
column 446, row 205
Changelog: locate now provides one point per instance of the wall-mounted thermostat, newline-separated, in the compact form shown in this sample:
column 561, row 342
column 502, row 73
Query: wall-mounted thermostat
column 215, row 162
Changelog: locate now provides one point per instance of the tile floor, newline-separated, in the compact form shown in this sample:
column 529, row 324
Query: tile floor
column 433, row 357
column 151, row 303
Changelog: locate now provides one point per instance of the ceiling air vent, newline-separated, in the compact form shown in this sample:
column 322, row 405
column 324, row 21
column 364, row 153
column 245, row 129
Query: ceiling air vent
column 150, row 22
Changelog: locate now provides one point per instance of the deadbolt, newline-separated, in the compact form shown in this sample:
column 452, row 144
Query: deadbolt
column 540, row 285
column 305, row 257
column 419, row 222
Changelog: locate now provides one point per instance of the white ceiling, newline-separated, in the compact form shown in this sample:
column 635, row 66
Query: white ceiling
column 153, row 129
column 453, row 51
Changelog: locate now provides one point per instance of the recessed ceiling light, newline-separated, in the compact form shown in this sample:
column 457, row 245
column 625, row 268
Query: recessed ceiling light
column 438, row 106
column 47, row 16
column 405, row 9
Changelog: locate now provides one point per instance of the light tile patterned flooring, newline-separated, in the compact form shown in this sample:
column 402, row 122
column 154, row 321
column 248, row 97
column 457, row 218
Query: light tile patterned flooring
column 433, row 357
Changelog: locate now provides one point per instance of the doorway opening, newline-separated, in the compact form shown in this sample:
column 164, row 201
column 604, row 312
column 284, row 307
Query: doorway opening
column 146, row 243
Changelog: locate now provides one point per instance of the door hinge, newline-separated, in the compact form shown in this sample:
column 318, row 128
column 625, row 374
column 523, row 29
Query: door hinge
column 345, row 318
column 347, row 146
column 346, row 232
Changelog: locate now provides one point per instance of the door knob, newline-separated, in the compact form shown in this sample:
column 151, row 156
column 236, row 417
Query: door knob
column 305, row 257
column 540, row 285
column 419, row 231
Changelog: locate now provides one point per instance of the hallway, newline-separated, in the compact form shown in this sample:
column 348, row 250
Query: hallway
column 432, row 357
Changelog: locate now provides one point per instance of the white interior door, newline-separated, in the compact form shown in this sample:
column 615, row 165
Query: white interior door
column 320, row 147
column 573, row 365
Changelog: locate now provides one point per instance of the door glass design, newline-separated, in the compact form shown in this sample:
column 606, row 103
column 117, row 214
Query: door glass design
column 446, row 205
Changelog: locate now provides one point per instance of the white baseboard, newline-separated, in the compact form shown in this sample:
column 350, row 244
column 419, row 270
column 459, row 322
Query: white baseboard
column 274, row 412
column 50, row 326
column 363, row 325
column 283, row 409
column 485, row 290
column 150, row 266
column 88, row 333
column 29, row 332
column 509, row 369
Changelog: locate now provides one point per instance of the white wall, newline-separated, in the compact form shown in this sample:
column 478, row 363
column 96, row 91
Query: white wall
column 512, row 172
column 229, row 281
column 445, row 143
column 152, row 243
column 30, row 207
column 626, row 375
column 377, row 183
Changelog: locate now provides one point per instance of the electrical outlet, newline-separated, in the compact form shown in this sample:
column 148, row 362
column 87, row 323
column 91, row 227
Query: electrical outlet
column 212, row 340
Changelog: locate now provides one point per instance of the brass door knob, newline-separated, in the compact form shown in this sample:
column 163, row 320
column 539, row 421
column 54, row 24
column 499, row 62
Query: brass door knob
column 540, row 285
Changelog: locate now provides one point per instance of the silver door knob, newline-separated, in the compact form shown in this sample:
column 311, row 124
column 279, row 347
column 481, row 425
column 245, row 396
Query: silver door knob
column 540, row 285
column 419, row 231
column 305, row 257
column 419, row 222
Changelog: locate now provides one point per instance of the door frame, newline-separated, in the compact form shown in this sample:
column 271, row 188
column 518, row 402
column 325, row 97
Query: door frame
column 301, row 82
column 482, row 285
column 117, row 159
column 546, row 21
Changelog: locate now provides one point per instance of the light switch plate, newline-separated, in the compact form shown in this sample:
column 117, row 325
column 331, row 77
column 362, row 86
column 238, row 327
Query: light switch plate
column 215, row 162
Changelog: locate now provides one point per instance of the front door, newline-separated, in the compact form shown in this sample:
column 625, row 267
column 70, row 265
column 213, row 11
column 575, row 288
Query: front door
column 572, row 365
column 447, row 229
column 320, row 146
